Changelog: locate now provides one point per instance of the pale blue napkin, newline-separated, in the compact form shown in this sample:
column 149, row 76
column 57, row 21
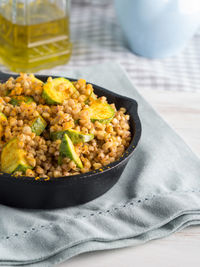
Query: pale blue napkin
column 158, row 194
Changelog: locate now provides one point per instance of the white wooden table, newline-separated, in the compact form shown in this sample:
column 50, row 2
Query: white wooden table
column 182, row 112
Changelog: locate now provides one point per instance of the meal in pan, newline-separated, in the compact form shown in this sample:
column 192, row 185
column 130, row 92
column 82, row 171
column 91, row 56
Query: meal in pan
column 58, row 128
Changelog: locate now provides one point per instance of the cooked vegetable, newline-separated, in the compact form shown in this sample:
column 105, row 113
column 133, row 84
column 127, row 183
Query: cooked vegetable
column 101, row 112
column 76, row 136
column 38, row 125
column 2, row 119
column 57, row 135
column 67, row 150
column 17, row 100
column 13, row 158
column 92, row 97
column 7, row 92
column 65, row 124
column 57, row 90
column 34, row 79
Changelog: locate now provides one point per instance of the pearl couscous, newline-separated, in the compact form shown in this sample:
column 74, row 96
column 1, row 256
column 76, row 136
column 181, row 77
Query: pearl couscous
column 58, row 128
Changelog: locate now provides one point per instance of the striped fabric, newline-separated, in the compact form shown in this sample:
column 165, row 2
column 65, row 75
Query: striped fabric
column 97, row 37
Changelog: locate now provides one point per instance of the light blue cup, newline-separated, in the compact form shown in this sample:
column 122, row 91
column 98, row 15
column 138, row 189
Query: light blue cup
column 158, row 28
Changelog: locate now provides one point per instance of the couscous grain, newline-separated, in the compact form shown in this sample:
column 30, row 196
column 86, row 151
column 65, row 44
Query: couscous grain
column 109, row 139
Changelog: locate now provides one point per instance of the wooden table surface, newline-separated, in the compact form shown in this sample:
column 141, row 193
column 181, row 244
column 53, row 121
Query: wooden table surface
column 182, row 111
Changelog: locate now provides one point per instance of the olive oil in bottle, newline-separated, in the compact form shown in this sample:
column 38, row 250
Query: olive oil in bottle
column 34, row 34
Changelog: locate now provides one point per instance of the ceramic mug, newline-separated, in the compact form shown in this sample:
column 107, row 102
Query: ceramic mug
column 158, row 28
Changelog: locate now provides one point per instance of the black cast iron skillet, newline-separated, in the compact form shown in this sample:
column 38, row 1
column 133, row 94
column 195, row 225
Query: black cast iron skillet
column 25, row 192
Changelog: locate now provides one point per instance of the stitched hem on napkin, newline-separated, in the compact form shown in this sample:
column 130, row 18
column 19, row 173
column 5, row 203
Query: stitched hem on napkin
column 137, row 220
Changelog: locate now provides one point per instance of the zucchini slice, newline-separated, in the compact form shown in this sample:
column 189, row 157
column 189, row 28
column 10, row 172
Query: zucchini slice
column 38, row 125
column 67, row 150
column 56, row 91
column 76, row 136
column 7, row 92
column 13, row 158
column 34, row 79
column 101, row 112
column 91, row 97
column 2, row 118
column 17, row 100
column 57, row 135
